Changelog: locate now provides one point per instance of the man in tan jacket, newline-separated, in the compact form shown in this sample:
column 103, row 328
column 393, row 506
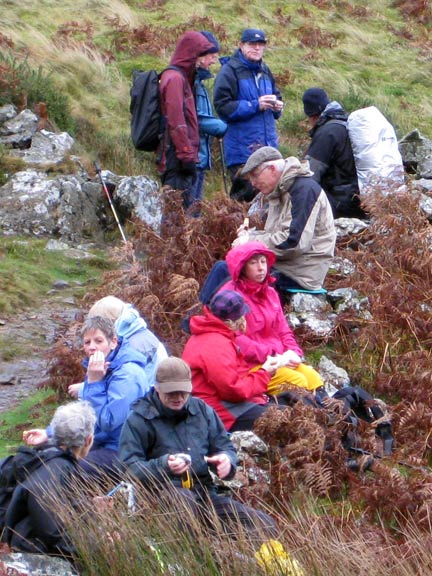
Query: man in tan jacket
column 299, row 226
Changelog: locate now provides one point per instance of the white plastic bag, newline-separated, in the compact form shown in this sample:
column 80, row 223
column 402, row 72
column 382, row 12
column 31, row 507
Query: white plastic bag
column 375, row 148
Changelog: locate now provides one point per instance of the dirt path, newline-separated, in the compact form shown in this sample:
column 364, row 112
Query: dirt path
column 25, row 338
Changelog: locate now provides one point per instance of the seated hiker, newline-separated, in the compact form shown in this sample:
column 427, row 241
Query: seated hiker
column 330, row 153
column 267, row 330
column 223, row 378
column 220, row 374
column 171, row 441
column 130, row 326
column 30, row 524
column 115, row 378
column 299, row 227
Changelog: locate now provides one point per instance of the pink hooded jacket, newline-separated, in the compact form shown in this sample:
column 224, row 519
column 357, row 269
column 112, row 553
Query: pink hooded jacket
column 268, row 332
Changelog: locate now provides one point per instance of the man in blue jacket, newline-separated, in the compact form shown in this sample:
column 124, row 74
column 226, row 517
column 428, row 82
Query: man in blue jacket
column 247, row 99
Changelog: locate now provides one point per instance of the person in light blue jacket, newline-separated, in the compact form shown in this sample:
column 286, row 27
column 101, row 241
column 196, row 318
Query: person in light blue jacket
column 130, row 326
column 209, row 125
column 115, row 378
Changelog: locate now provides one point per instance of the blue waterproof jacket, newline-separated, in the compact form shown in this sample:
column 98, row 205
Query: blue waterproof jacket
column 125, row 381
column 132, row 327
column 208, row 124
column 238, row 86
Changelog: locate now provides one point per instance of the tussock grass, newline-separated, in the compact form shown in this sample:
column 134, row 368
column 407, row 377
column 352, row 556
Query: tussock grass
column 370, row 49
column 162, row 537
column 29, row 271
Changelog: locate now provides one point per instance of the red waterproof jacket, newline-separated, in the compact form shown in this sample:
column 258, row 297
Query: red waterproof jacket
column 268, row 332
column 220, row 374
column 177, row 100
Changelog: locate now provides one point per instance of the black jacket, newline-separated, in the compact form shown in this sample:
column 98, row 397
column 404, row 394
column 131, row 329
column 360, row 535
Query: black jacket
column 331, row 159
column 30, row 524
column 151, row 433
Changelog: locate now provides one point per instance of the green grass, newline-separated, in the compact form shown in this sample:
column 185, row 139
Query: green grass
column 361, row 52
column 29, row 271
column 33, row 412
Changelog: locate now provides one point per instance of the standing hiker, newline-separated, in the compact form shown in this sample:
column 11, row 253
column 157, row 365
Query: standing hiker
column 330, row 153
column 247, row 99
column 178, row 150
column 208, row 125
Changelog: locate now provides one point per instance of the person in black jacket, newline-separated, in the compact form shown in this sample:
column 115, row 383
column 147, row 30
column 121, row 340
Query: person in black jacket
column 330, row 154
column 30, row 525
column 172, row 440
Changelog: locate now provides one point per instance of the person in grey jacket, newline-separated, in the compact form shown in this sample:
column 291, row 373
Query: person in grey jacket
column 172, row 440
column 299, row 227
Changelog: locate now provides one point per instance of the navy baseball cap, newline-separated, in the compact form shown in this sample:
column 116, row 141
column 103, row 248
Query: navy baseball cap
column 253, row 35
column 228, row 305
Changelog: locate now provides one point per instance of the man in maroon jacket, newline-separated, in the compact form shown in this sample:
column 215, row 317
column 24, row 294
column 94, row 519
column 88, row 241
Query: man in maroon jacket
column 178, row 153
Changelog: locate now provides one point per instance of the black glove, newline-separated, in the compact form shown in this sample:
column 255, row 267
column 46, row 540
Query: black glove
column 189, row 169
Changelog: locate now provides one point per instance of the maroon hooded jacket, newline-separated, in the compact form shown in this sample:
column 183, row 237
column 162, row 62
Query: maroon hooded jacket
column 177, row 99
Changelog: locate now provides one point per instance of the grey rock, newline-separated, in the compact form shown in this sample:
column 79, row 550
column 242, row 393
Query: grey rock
column 344, row 299
column 312, row 311
column 46, row 148
column 426, row 205
column 36, row 565
column 61, row 284
column 7, row 112
column 31, row 203
column 140, row 196
column 19, row 131
column 9, row 379
column 422, row 185
column 249, row 442
column 349, row 226
column 332, row 375
column 341, row 266
column 416, row 151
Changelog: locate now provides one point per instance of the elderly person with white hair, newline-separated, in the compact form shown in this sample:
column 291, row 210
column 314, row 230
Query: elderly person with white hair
column 30, row 524
column 299, row 227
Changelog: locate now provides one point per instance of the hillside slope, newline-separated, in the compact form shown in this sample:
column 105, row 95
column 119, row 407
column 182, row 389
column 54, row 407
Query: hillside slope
column 361, row 52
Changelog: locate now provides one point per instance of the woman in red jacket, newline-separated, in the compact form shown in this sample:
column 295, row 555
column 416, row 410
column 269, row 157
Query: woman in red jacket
column 220, row 374
column 267, row 330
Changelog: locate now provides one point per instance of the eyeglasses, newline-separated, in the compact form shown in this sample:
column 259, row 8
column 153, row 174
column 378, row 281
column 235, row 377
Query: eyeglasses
column 254, row 175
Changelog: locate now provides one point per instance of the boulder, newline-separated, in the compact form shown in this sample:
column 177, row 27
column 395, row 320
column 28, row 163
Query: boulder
column 46, row 148
column 416, row 151
column 19, row 130
column 32, row 203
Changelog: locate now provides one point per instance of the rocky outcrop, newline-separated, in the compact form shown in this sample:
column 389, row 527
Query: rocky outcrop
column 40, row 201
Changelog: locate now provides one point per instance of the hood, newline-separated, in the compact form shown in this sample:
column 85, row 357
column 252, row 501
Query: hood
column 129, row 322
column 189, row 47
column 333, row 111
column 209, row 323
column 120, row 355
column 294, row 168
column 237, row 257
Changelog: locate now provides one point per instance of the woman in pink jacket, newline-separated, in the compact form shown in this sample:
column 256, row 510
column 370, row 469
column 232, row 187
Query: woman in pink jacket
column 267, row 330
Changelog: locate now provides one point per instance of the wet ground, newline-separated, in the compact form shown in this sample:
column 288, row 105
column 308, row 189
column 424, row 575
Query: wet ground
column 24, row 340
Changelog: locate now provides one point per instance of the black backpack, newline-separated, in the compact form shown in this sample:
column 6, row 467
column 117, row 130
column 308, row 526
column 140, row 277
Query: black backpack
column 147, row 123
column 15, row 468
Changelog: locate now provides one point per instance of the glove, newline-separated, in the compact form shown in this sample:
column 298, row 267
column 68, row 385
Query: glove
column 189, row 169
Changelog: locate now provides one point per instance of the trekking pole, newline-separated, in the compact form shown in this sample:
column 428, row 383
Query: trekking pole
column 105, row 189
column 224, row 174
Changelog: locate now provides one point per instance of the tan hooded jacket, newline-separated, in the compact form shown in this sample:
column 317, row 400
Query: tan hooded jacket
column 300, row 226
